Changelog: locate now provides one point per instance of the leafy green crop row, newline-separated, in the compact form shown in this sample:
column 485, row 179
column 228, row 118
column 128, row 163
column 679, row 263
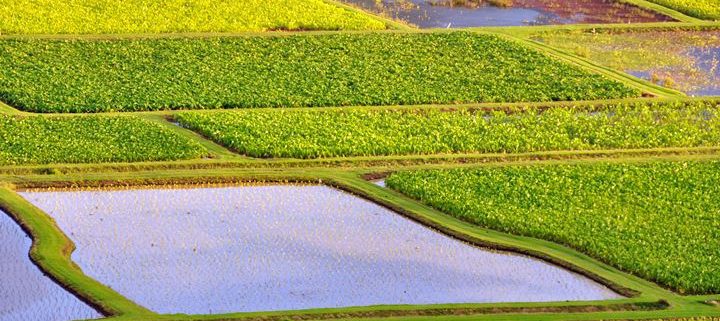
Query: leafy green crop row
column 657, row 220
column 151, row 16
column 357, row 132
column 703, row 9
column 286, row 71
column 96, row 139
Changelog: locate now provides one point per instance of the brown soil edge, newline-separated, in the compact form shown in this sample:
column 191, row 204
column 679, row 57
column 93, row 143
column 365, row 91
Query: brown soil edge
column 79, row 294
column 335, row 183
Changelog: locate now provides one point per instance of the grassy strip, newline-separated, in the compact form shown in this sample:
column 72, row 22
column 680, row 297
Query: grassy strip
column 377, row 132
column 618, row 212
column 96, row 139
column 51, row 251
column 343, row 70
column 412, row 161
column 147, row 16
column 704, row 9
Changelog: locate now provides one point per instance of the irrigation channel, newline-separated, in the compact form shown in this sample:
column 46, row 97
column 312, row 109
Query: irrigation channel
column 281, row 247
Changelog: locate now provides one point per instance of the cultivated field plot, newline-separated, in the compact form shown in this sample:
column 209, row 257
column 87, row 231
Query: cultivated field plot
column 284, row 247
column 344, row 69
column 147, row 16
column 619, row 213
column 328, row 160
column 382, row 132
column 89, row 139
column 704, row 9
column 685, row 60
column 475, row 13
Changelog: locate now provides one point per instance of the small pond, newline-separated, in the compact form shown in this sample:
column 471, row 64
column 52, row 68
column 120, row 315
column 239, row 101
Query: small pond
column 282, row 247
column 25, row 293
column 476, row 13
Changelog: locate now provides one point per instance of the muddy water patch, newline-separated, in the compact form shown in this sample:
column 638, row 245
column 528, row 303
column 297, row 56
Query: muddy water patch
column 283, row 247
column 25, row 293
column 688, row 61
column 476, row 13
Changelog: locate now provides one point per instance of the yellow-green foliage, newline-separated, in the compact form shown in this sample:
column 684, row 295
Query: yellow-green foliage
column 90, row 139
column 150, row 16
column 353, row 69
column 657, row 220
column 703, row 9
column 356, row 132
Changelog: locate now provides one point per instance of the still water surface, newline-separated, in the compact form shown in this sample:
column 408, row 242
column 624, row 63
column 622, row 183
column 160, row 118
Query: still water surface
column 25, row 293
column 440, row 14
column 281, row 247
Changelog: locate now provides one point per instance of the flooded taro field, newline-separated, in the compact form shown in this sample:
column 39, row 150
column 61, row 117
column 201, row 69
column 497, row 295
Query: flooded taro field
column 282, row 247
column 688, row 61
column 477, row 13
column 25, row 293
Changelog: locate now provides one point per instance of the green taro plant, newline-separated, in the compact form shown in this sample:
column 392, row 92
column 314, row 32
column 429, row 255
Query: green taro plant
column 704, row 9
column 89, row 139
column 149, row 16
column 277, row 71
column 657, row 220
column 379, row 132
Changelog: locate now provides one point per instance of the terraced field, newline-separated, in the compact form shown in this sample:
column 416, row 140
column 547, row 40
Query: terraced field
column 244, row 72
column 310, row 160
column 703, row 9
column 95, row 139
column 144, row 16
column 383, row 132
column 619, row 213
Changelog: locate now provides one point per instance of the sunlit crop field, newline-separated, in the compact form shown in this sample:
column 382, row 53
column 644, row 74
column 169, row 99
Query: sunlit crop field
column 148, row 16
column 704, row 9
column 97, row 139
column 331, row 133
column 242, row 72
column 656, row 220
column 415, row 160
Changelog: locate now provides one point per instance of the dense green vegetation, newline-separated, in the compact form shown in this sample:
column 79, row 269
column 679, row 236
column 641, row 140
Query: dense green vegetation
column 657, row 220
column 703, row 9
column 357, row 132
column 149, row 16
column 96, row 139
column 343, row 69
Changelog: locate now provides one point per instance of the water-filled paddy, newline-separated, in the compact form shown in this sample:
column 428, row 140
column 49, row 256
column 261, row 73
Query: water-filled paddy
column 688, row 61
column 475, row 13
column 278, row 247
column 25, row 293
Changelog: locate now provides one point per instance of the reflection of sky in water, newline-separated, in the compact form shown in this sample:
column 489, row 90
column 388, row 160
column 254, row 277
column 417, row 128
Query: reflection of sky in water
column 424, row 15
column 706, row 83
column 256, row 248
column 25, row 293
column 707, row 60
